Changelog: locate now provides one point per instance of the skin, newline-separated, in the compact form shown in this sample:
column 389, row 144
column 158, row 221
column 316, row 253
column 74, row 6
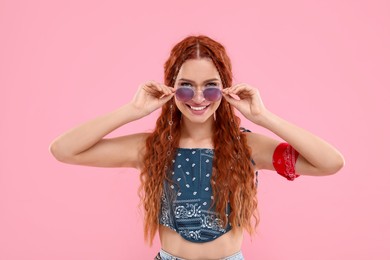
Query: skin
column 197, row 129
column 85, row 144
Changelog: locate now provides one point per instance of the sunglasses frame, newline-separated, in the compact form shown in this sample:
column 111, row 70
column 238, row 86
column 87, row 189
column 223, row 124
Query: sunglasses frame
column 203, row 92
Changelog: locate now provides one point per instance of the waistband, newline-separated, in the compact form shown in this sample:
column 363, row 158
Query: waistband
column 166, row 256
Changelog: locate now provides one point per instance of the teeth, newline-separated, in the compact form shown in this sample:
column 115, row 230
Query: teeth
column 197, row 108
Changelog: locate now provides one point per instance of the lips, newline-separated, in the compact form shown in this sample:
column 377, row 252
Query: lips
column 197, row 109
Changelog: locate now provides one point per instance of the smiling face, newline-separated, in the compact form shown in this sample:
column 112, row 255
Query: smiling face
column 198, row 74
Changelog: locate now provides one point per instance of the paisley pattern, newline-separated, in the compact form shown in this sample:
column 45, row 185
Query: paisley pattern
column 187, row 199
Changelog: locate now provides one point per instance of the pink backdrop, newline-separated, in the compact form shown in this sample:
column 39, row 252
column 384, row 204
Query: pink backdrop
column 319, row 64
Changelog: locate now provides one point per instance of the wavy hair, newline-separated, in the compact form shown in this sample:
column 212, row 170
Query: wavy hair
column 232, row 178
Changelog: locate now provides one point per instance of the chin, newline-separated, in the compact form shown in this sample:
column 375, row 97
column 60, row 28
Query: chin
column 198, row 119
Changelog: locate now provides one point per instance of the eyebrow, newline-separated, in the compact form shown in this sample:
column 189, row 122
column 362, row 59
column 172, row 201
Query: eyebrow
column 208, row 80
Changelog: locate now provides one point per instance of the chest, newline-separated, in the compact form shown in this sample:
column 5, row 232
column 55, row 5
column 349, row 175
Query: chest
column 191, row 174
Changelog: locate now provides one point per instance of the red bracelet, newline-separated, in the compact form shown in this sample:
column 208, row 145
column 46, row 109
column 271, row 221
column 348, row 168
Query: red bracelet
column 284, row 159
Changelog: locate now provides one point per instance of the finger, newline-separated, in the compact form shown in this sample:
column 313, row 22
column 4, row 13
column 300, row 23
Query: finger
column 232, row 89
column 166, row 90
column 231, row 100
column 240, row 86
column 156, row 89
column 243, row 91
column 227, row 90
column 236, row 86
column 231, row 95
column 154, row 92
column 149, row 85
column 157, row 86
column 149, row 89
column 166, row 98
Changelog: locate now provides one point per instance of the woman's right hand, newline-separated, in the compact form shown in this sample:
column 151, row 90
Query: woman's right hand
column 150, row 96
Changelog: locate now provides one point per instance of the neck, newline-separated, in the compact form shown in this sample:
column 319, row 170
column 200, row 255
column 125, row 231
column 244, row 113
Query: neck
column 197, row 134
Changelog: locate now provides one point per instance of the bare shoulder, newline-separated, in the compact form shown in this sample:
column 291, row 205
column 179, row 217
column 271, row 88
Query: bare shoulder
column 262, row 148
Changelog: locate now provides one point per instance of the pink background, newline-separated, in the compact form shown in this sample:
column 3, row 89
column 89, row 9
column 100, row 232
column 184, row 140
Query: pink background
column 323, row 65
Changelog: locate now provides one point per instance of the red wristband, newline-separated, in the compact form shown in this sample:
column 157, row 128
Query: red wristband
column 284, row 159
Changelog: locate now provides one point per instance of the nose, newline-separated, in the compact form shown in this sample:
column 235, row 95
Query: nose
column 198, row 96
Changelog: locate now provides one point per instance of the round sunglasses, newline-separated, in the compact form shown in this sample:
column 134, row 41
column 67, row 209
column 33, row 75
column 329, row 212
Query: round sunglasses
column 185, row 94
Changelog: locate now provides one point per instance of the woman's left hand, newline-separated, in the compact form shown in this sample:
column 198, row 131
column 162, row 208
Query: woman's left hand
column 247, row 100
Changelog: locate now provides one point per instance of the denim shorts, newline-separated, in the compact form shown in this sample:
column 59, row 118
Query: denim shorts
column 162, row 255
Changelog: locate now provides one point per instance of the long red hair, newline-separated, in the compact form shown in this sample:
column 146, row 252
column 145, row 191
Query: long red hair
column 233, row 174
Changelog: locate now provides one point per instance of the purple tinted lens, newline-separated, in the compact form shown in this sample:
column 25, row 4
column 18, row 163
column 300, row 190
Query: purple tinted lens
column 184, row 94
column 212, row 94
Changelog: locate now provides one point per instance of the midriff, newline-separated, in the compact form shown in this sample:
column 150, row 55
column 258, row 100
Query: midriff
column 225, row 245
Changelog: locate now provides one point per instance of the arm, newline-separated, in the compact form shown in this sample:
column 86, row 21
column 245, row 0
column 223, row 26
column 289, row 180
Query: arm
column 86, row 145
column 317, row 157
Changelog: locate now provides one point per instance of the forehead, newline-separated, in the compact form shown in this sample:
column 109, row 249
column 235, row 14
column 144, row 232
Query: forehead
column 198, row 70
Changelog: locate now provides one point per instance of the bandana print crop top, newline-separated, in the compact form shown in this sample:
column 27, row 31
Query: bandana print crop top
column 185, row 204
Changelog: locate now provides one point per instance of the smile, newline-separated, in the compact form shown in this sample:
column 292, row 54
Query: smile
column 197, row 108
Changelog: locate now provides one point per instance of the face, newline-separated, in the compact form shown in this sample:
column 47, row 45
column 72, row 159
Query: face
column 200, row 75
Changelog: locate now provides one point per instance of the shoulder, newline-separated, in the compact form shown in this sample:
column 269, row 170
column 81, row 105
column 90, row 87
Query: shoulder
column 255, row 139
column 262, row 148
column 258, row 141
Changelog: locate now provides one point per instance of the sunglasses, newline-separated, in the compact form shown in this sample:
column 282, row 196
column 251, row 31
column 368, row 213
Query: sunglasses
column 185, row 94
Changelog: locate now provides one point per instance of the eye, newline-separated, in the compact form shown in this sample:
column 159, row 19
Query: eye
column 212, row 84
column 185, row 84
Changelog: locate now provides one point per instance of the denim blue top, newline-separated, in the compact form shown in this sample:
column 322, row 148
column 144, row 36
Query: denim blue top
column 186, row 202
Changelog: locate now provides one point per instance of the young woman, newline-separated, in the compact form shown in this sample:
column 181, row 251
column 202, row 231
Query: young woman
column 198, row 167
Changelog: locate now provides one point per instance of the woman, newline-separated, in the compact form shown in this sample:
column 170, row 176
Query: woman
column 198, row 167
